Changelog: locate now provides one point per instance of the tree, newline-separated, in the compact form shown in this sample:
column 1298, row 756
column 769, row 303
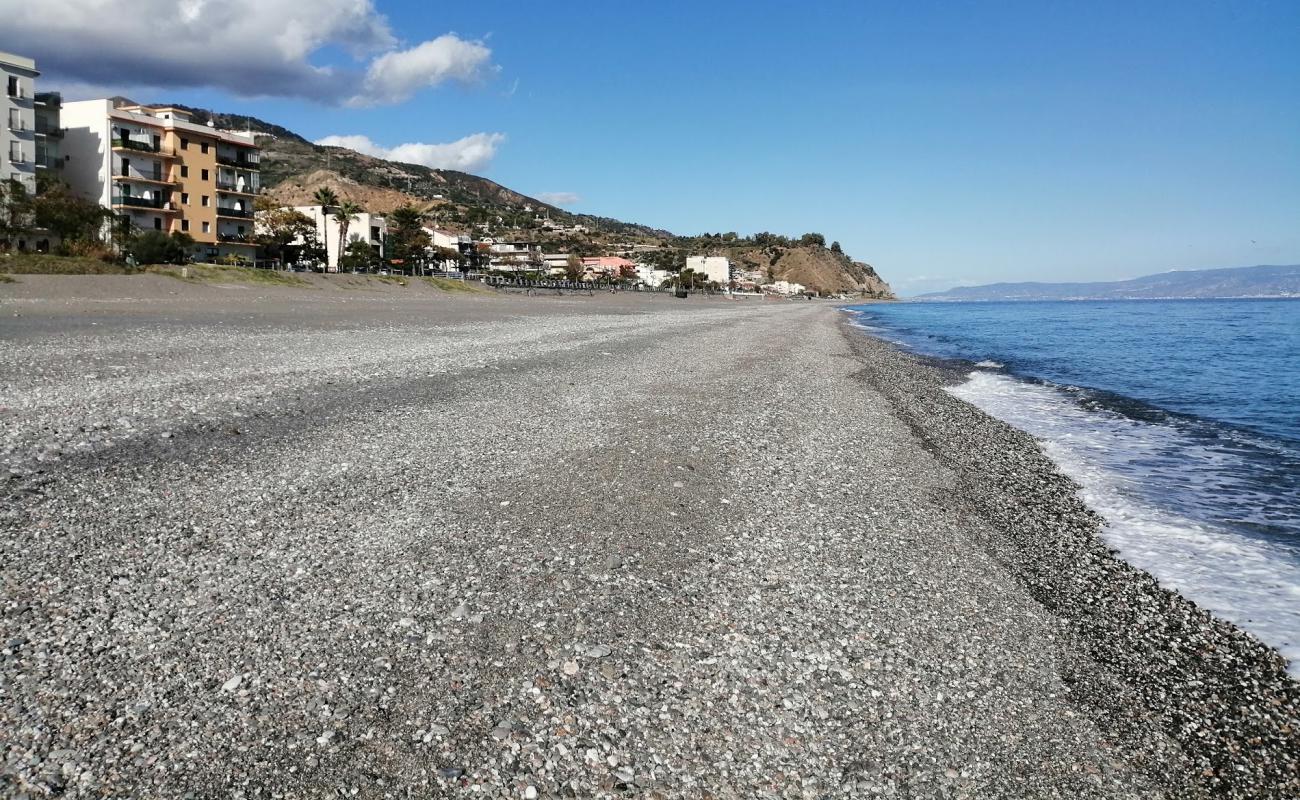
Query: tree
column 66, row 215
column 408, row 241
column 836, row 249
column 813, row 240
column 15, row 210
column 344, row 214
column 359, row 257
column 573, row 269
column 279, row 228
column 156, row 247
column 326, row 199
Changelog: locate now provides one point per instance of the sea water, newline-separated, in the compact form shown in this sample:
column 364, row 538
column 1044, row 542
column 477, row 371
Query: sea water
column 1179, row 419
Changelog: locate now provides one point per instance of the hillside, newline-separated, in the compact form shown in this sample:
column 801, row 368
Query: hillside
column 293, row 168
column 815, row 267
column 1243, row 282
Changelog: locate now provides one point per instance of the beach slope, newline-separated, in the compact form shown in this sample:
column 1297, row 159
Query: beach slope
column 568, row 547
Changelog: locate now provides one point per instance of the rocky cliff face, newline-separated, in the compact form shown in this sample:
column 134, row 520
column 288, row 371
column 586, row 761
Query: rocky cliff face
column 818, row 268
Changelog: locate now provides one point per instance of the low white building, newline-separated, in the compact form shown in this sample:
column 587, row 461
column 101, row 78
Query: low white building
column 715, row 268
column 513, row 254
column 443, row 241
column 369, row 228
column 786, row 287
column 648, row 275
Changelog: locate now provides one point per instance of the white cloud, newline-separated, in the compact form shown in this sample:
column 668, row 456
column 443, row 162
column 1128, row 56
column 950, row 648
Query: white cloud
column 559, row 198
column 247, row 47
column 394, row 77
column 470, row 154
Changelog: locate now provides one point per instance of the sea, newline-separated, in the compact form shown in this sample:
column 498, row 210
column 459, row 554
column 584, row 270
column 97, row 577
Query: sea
column 1179, row 420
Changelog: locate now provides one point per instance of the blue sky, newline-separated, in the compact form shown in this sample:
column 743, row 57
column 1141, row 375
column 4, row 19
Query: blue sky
column 944, row 143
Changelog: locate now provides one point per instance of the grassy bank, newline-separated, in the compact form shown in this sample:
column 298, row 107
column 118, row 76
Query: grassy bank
column 43, row 264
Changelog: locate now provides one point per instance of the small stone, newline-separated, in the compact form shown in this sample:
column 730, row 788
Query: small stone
column 450, row 773
column 624, row 774
column 570, row 667
column 530, row 793
column 232, row 684
column 460, row 612
column 598, row 651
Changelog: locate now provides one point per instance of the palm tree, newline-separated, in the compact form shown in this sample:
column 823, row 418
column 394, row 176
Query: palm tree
column 326, row 199
column 343, row 215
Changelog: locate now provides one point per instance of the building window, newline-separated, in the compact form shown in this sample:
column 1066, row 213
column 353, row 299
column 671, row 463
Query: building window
column 203, row 148
column 185, row 171
column 13, row 86
column 157, row 223
column 15, row 119
column 15, row 153
column 240, row 228
column 205, row 174
column 203, row 201
column 185, row 143
column 207, row 227
column 185, row 198
column 185, row 225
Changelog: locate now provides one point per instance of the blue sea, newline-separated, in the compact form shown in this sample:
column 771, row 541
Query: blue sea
column 1180, row 420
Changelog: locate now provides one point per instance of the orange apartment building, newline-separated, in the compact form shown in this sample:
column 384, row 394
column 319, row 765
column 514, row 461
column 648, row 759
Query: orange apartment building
column 156, row 168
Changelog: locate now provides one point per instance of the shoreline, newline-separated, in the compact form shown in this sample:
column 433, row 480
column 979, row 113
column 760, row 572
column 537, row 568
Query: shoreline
column 1212, row 687
column 591, row 546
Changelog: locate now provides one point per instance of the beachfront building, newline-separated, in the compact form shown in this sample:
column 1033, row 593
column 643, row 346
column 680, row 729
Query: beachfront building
column 364, row 227
column 444, row 242
column 785, row 287
column 18, row 134
column 649, row 276
column 606, row 267
column 716, row 269
column 556, row 263
column 158, row 170
column 514, row 255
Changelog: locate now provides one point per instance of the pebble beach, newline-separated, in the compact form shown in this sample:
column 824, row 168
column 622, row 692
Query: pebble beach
column 293, row 543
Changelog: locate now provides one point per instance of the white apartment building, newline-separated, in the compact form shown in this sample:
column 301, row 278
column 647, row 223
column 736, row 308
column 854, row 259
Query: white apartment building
column 654, row 278
column 18, row 125
column 365, row 227
column 441, row 240
column 715, row 268
column 786, row 287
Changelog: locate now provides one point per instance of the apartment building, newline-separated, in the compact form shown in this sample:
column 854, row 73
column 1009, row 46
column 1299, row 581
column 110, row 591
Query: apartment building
column 714, row 268
column 369, row 228
column 159, row 170
column 18, row 134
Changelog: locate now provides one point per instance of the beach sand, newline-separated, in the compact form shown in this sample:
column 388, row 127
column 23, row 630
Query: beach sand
column 388, row 542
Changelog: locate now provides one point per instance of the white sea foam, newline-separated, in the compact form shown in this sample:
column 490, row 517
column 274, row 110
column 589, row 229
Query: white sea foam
column 989, row 364
column 1251, row 582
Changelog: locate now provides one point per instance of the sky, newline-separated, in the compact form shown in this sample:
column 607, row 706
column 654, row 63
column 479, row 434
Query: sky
column 947, row 144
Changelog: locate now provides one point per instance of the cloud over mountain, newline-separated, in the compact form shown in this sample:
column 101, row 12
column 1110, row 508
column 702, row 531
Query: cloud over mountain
column 246, row 47
column 469, row 154
column 559, row 198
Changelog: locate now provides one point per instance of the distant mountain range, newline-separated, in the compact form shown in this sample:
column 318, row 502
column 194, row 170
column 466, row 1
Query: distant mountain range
column 1260, row 281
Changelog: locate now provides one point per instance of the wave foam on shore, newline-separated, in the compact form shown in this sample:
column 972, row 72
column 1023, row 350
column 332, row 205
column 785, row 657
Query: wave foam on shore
column 1250, row 581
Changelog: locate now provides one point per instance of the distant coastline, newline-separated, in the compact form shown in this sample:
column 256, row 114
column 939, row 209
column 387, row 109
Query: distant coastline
column 1271, row 282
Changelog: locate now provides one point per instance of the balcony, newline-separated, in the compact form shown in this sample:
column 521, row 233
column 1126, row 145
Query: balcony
column 157, row 176
column 17, row 124
column 44, row 128
column 155, row 203
column 234, row 213
column 136, row 145
column 49, row 161
column 232, row 187
column 238, row 160
column 234, row 238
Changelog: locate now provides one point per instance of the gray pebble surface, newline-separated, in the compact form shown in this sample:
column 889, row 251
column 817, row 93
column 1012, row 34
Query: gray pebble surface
column 578, row 548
